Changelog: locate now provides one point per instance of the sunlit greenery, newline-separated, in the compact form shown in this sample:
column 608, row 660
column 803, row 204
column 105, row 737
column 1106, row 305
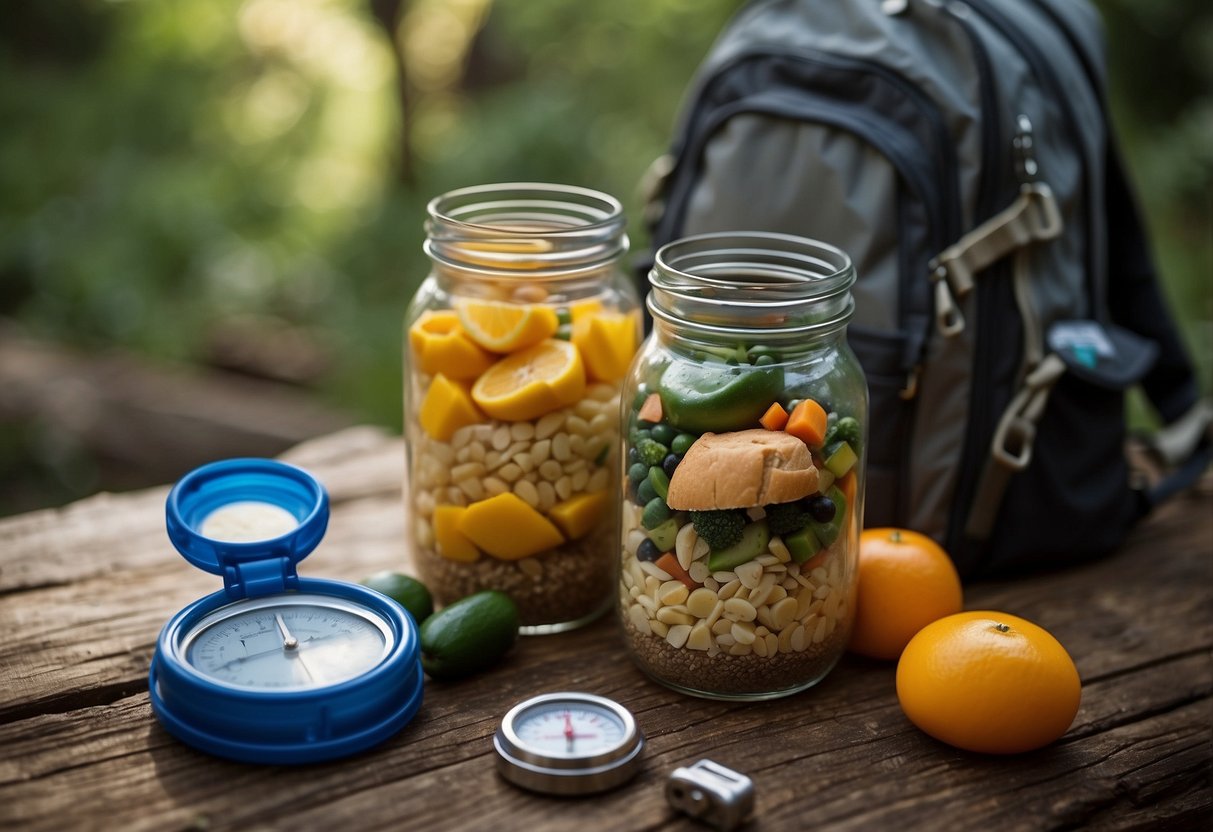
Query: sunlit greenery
column 165, row 165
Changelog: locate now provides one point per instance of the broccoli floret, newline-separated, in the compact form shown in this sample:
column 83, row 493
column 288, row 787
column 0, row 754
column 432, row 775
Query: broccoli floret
column 785, row 518
column 651, row 451
column 843, row 429
column 721, row 529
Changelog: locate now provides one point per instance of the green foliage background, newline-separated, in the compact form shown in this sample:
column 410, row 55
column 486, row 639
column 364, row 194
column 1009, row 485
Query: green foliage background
column 165, row 166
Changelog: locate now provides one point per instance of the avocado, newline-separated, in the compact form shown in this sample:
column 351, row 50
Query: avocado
column 754, row 540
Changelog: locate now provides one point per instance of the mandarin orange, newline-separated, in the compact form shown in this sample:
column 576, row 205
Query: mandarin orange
column 906, row 581
column 989, row 682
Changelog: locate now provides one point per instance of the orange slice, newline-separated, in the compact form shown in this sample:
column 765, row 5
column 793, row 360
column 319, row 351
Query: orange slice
column 438, row 344
column 531, row 382
column 446, row 408
column 607, row 342
column 507, row 528
column 506, row 327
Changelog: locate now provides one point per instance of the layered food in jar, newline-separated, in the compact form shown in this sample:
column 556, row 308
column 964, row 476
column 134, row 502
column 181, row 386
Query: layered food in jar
column 739, row 525
column 513, row 432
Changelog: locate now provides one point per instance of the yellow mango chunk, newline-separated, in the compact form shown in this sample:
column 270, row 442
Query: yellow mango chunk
column 607, row 341
column 584, row 309
column 446, row 408
column 578, row 516
column 438, row 344
column 506, row 527
column 452, row 543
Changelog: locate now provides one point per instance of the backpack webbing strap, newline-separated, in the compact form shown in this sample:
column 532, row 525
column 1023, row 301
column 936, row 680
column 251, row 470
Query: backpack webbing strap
column 1032, row 217
column 1011, row 448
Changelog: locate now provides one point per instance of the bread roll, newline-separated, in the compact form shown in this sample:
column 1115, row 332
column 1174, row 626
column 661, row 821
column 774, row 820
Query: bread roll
column 742, row 469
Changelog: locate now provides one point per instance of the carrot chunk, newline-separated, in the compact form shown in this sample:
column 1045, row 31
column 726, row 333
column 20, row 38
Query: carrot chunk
column 775, row 418
column 808, row 423
column 670, row 564
column 650, row 411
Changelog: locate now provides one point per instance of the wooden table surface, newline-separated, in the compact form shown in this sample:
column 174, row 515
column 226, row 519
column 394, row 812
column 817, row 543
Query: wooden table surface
column 85, row 589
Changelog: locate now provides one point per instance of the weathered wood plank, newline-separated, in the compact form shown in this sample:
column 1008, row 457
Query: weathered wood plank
column 76, row 637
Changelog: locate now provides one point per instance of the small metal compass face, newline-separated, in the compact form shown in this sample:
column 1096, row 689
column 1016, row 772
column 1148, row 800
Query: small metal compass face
column 568, row 743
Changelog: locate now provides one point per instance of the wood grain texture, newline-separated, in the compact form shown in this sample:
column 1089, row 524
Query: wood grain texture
column 84, row 591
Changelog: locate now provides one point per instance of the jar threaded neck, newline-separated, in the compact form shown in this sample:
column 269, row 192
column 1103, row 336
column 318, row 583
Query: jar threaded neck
column 739, row 284
column 537, row 228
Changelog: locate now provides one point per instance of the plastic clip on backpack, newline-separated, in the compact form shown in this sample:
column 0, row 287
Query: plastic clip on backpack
column 960, row 153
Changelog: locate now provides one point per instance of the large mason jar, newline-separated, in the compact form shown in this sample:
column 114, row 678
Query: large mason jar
column 517, row 344
column 743, row 460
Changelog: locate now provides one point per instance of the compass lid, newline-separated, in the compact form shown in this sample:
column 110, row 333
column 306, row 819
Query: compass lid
column 208, row 513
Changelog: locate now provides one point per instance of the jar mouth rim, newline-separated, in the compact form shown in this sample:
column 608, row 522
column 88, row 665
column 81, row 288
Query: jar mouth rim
column 761, row 277
column 600, row 210
column 537, row 228
column 798, row 265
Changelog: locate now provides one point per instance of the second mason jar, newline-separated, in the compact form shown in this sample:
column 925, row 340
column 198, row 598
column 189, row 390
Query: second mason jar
column 517, row 345
column 743, row 465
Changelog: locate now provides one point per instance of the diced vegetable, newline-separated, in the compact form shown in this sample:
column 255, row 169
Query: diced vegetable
column 808, row 423
column 665, row 535
column 669, row 564
column 842, row 460
column 775, row 418
column 754, row 540
column 802, row 545
column 650, row 411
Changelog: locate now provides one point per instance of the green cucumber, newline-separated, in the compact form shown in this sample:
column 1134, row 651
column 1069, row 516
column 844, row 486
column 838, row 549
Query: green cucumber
column 665, row 535
column 754, row 540
column 841, row 460
column 802, row 544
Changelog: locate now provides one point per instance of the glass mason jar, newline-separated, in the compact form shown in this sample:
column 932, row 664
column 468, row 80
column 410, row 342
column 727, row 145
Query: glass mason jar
column 517, row 344
column 743, row 468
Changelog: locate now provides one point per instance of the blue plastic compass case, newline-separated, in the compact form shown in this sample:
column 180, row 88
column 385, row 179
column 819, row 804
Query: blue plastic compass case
column 275, row 668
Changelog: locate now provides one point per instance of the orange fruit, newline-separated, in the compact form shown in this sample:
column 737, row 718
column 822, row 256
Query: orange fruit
column 990, row 682
column 438, row 344
column 532, row 382
column 506, row 327
column 905, row 582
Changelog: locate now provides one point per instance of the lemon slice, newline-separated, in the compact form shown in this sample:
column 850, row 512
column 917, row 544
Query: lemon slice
column 531, row 382
column 506, row 327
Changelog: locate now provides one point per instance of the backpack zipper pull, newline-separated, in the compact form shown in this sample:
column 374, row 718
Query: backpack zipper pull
column 1024, row 144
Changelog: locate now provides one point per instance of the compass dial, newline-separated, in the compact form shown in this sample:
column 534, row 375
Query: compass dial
column 282, row 644
column 569, row 730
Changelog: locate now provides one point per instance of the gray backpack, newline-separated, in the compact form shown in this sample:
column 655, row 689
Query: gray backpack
column 960, row 153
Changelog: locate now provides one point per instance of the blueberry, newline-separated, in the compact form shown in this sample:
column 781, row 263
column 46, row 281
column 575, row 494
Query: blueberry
column 633, row 456
column 670, row 463
column 820, row 509
column 647, row 550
